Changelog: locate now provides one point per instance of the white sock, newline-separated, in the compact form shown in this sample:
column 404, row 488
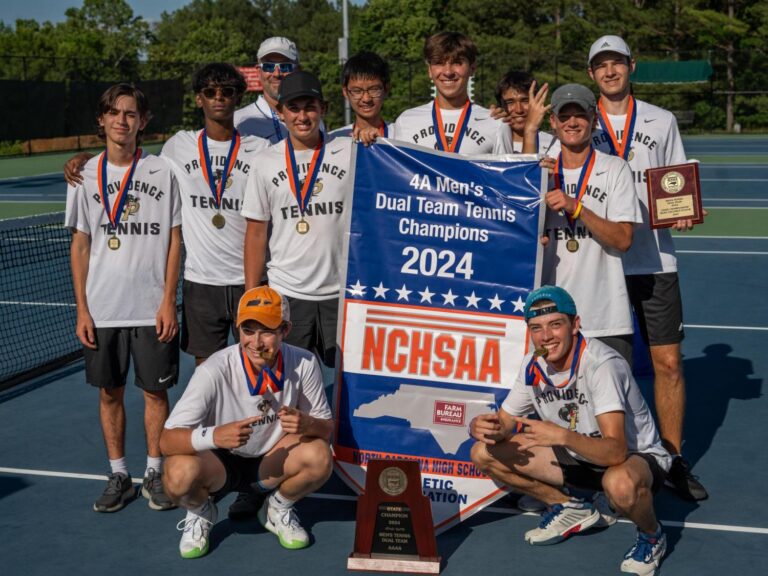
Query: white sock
column 154, row 462
column 119, row 466
column 280, row 502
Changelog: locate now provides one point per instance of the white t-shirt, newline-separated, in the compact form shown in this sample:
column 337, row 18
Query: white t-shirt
column 346, row 131
column 593, row 274
column 656, row 142
column 214, row 255
column 258, row 119
column 304, row 266
column 218, row 394
column 505, row 144
column 125, row 286
column 603, row 383
column 416, row 126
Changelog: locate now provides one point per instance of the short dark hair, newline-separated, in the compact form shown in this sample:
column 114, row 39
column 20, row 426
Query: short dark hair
column 109, row 98
column 515, row 79
column 444, row 46
column 218, row 74
column 365, row 65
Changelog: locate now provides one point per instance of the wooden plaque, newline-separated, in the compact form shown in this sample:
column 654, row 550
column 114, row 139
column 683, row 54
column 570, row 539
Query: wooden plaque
column 674, row 193
column 394, row 531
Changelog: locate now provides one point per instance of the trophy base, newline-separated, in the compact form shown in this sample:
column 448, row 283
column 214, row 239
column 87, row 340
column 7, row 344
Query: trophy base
column 381, row 563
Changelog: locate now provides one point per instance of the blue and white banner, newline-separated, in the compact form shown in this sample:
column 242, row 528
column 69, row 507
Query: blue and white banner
column 441, row 252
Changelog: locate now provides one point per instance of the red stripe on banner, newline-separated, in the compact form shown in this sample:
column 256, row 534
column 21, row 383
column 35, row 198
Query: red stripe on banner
column 442, row 327
column 373, row 305
column 436, row 466
column 388, row 314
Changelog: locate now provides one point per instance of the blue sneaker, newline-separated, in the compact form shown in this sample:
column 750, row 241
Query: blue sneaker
column 644, row 558
column 561, row 521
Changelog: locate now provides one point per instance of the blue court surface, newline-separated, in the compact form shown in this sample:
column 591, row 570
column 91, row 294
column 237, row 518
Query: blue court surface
column 53, row 462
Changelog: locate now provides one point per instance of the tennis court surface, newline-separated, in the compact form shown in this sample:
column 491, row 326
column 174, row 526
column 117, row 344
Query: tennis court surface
column 53, row 466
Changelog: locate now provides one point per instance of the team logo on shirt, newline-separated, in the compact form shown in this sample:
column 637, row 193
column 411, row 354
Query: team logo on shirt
column 131, row 207
column 263, row 406
column 217, row 179
column 317, row 188
column 570, row 413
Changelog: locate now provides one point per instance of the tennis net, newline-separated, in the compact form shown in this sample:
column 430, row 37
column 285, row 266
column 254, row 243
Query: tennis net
column 37, row 303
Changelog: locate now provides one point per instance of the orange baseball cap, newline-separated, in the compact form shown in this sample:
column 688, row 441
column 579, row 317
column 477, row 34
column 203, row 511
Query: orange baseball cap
column 264, row 305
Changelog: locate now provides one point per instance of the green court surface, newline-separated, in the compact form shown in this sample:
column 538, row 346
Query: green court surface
column 732, row 222
column 19, row 209
column 20, row 166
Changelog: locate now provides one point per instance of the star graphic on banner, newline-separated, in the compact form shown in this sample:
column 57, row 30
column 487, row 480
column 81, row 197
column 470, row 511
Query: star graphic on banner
column 495, row 302
column 426, row 296
column 357, row 289
column 449, row 298
column 381, row 292
column 472, row 300
column 519, row 304
column 402, row 293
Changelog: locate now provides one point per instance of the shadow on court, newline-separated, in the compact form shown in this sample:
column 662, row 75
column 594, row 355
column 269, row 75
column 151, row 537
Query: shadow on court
column 12, row 484
column 713, row 380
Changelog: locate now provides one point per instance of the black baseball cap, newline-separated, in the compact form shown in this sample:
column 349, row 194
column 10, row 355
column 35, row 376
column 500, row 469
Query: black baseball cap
column 298, row 84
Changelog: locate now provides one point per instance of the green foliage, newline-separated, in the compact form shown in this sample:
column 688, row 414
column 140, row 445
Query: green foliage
column 104, row 40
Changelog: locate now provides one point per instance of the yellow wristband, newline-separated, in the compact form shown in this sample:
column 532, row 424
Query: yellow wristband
column 576, row 212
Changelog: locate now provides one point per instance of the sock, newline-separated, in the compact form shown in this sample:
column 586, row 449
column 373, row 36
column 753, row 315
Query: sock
column 280, row 502
column 154, row 462
column 119, row 466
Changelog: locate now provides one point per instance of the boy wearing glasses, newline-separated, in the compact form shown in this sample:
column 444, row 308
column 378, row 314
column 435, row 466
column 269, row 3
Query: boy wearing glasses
column 365, row 84
column 450, row 123
column 277, row 57
column 254, row 416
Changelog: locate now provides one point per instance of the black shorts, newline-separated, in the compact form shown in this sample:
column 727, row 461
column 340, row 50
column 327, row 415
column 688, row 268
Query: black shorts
column 155, row 363
column 587, row 476
column 659, row 307
column 208, row 317
column 622, row 344
column 314, row 327
column 241, row 472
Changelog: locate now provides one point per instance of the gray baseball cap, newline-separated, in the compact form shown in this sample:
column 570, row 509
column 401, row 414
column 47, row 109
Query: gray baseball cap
column 278, row 45
column 573, row 94
column 609, row 44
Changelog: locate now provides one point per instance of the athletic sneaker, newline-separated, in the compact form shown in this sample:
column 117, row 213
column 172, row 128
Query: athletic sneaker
column 608, row 516
column 152, row 490
column 246, row 505
column 117, row 494
column 196, row 529
column 644, row 557
column 530, row 504
column 561, row 521
column 685, row 484
column 285, row 524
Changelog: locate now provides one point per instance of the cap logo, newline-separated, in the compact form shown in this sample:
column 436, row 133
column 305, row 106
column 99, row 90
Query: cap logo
column 605, row 44
column 259, row 302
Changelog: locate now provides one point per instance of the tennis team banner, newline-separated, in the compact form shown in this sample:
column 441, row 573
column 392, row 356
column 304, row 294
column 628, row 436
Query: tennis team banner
column 441, row 252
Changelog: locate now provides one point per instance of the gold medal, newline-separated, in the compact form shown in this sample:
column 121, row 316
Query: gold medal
column 302, row 226
column 218, row 220
column 572, row 245
column 541, row 351
column 113, row 243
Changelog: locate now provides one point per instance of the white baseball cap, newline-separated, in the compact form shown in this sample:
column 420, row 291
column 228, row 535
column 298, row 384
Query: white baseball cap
column 278, row 45
column 609, row 44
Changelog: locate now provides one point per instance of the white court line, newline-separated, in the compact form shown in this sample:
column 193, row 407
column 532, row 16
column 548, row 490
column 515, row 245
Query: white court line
column 734, row 179
column 19, row 303
column 15, row 178
column 345, row 498
column 713, row 327
column 738, row 207
column 720, row 252
column 705, row 199
column 695, row 237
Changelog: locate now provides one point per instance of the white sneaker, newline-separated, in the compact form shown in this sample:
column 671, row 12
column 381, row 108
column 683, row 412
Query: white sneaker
column 561, row 521
column 285, row 524
column 644, row 557
column 196, row 528
column 608, row 516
